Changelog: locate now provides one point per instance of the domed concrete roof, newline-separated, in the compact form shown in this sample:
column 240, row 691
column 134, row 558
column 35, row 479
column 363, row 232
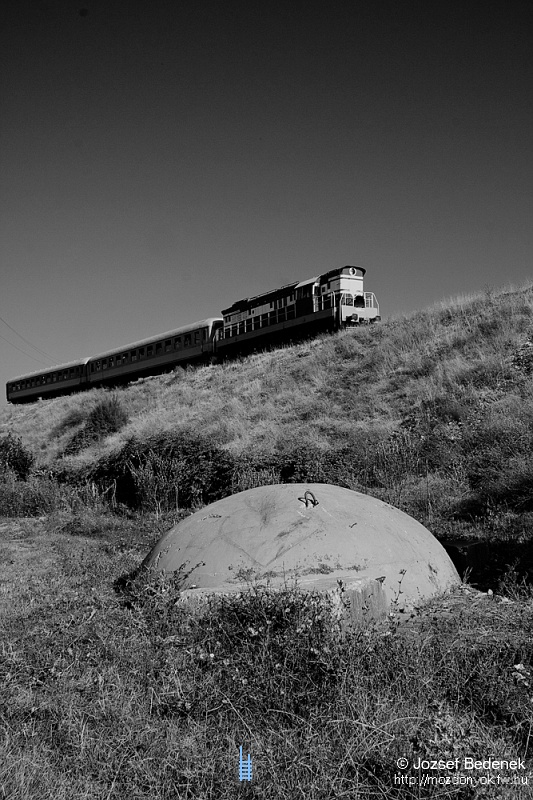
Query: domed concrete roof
column 316, row 533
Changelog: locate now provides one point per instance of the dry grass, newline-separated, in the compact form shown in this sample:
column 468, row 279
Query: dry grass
column 462, row 345
column 113, row 696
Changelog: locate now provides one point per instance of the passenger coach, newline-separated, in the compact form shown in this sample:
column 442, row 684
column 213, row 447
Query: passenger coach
column 186, row 345
column 63, row 379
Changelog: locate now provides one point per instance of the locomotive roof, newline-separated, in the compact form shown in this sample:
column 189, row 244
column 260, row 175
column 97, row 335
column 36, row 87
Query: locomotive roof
column 204, row 323
column 337, row 270
column 80, row 362
column 267, row 296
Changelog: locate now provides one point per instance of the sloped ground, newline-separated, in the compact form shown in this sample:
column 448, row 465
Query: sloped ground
column 432, row 413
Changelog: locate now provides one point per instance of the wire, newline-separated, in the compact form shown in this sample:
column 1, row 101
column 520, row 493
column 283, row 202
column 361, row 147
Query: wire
column 23, row 351
column 46, row 355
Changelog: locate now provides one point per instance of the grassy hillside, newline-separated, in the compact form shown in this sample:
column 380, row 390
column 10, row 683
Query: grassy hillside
column 431, row 412
column 112, row 691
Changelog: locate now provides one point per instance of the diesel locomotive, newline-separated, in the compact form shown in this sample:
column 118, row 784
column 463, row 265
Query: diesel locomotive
column 327, row 302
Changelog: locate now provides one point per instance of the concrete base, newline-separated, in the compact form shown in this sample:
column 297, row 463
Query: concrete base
column 354, row 602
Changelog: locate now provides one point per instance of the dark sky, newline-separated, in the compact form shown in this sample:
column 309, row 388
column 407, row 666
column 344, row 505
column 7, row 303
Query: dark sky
column 160, row 161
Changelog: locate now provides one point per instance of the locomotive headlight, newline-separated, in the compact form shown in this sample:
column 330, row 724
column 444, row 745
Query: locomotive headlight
column 352, row 271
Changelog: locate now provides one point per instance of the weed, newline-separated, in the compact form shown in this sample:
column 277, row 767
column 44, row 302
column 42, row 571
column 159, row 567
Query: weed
column 15, row 457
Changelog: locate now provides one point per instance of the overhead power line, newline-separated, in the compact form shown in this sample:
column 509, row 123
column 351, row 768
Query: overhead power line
column 46, row 355
column 23, row 351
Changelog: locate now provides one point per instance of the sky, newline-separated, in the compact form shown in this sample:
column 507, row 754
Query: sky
column 160, row 161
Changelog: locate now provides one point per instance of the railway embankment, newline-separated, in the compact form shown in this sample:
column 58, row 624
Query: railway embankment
column 432, row 413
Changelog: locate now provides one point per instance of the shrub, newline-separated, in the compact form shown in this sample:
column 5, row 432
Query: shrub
column 14, row 456
column 107, row 417
column 166, row 472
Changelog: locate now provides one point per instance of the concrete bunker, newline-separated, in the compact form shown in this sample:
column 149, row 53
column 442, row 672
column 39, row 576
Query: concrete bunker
column 316, row 534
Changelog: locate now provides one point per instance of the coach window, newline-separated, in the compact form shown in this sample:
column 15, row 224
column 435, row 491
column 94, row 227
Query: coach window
column 111, row 361
column 234, row 330
column 104, row 363
column 272, row 318
column 197, row 337
column 204, row 334
column 168, row 345
column 187, row 340
column 177, row 343
column 141, row 352
column 264, row 320
column 257, row 323
column 248, row 325
column 158, row 348
column 149, row 351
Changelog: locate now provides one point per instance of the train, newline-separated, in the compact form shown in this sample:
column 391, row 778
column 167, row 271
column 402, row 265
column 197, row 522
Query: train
column 325, row 303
